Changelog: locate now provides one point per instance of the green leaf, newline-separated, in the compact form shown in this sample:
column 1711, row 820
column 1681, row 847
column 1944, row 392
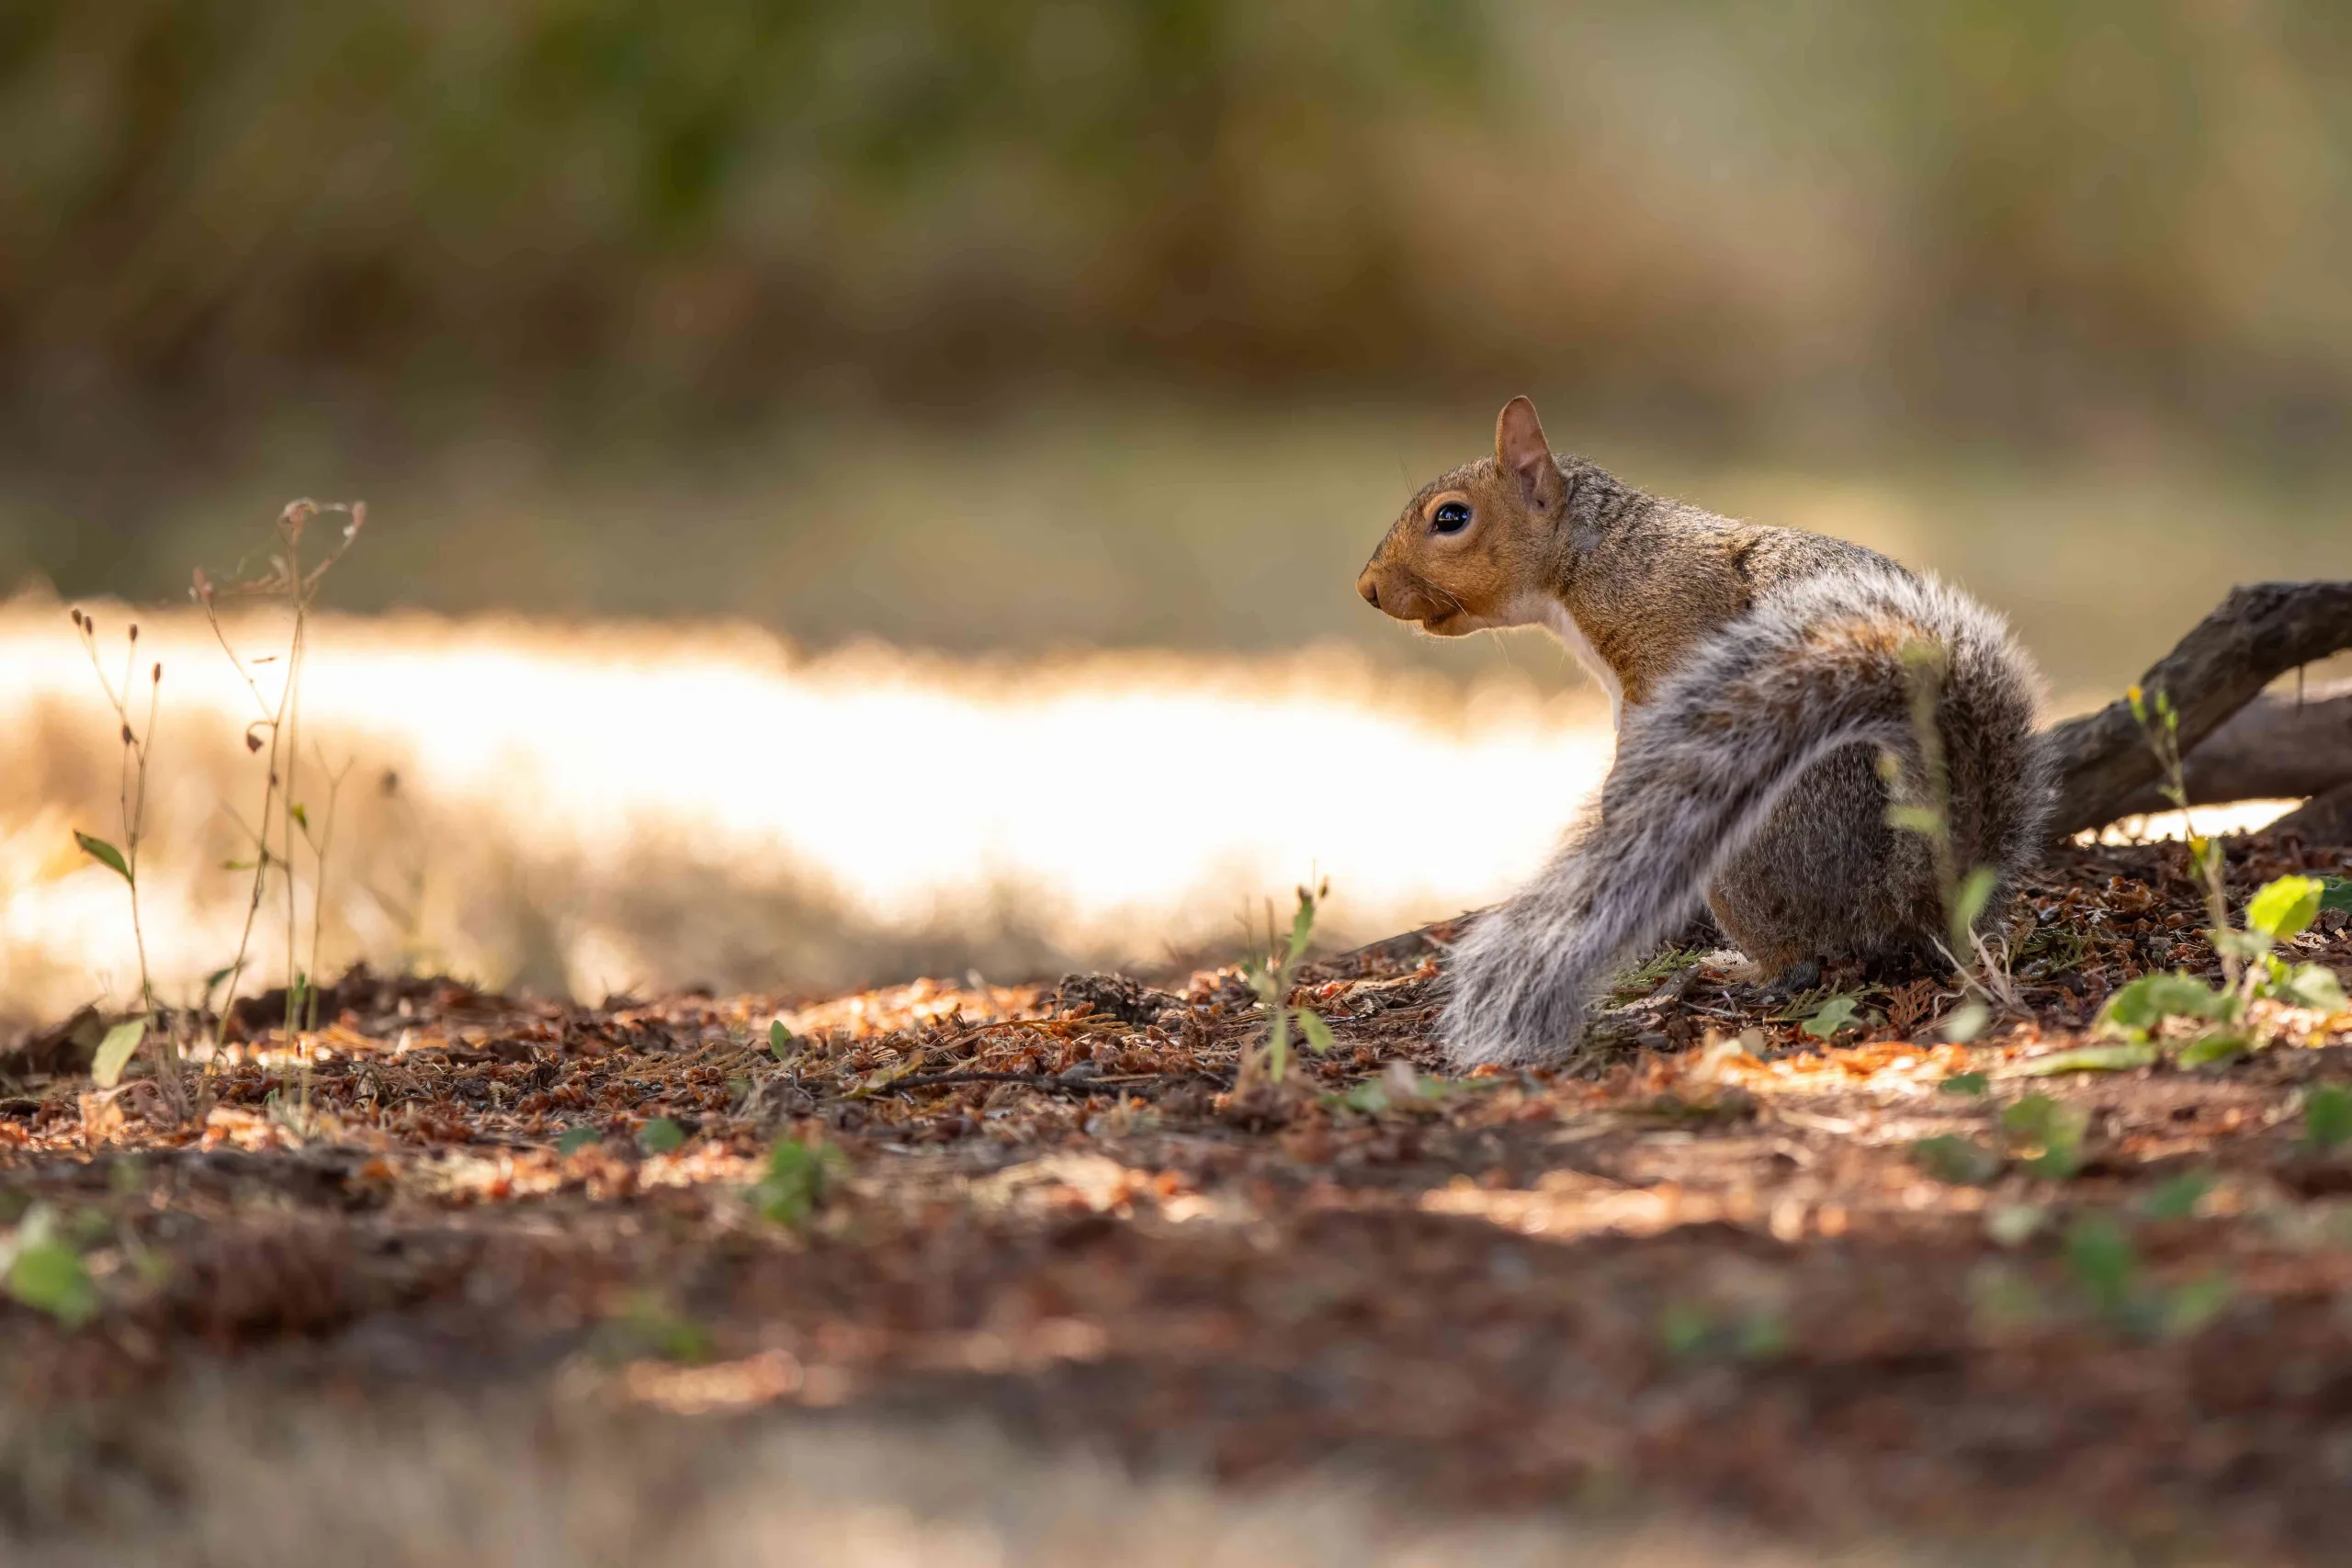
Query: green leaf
column 778, row 1038
column 106, row 854
column 1922, row 820
column 2327, row 1117
column 660, row 1136
column 2105, row 1263
column 2177, row 1199
column 1833, row 1015
column 2136, row 1009
column 2314, row 985
column 2212, row 1050
column 1963, row 1083
column 1318, row 1032
column 2056, row 1131
column 797, row 1179
column 577, row 1139
column 1962, row 1161
column 48, row 1275
column 1969, row 902
column 2335, row 893
column 2191, row 1306
column 1966, row 1021
column 114, row 1052
column 300, row 815
column 2284, row 908
column 2089, row 1059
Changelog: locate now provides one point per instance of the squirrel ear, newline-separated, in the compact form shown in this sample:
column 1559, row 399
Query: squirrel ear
column 1521, row 449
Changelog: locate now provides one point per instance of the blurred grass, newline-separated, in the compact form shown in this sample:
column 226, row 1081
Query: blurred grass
column 1196, row 527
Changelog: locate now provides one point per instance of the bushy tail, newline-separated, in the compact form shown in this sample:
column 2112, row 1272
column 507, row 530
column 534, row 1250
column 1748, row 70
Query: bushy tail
column 1701, row 766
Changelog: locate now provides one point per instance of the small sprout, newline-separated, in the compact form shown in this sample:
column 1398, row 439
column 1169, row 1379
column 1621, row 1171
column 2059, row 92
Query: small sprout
column 1683, row 1330
column 799, row 1177
column 1318, row 1032
column 2051, row 1131
column 45, row 1270
column 778, row 1038
column 1963, row 1162
column 1963, row 1083
column 660, row 1136
column 2336, row 893
column 2177, row 1199
column 2327, row 1118
column 577, row 1139
column 2104, row 1262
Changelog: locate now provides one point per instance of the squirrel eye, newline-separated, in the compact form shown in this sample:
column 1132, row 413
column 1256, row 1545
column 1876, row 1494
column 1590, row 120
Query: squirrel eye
column 1450, row 518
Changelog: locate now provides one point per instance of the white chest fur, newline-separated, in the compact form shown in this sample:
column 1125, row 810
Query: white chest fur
column 1546, row 611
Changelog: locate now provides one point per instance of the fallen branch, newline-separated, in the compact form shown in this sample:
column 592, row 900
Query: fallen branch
column 2326, row 820
column 2275, row 748
column 2258, row 634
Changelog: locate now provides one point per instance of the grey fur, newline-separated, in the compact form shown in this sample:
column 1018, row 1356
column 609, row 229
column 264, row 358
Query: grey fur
column 1747, row 777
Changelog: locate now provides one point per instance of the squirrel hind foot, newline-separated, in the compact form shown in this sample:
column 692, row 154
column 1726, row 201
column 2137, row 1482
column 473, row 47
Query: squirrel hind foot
column 1793, row 980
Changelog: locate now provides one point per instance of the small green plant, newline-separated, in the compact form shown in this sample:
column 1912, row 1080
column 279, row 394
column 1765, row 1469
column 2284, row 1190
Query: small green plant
column 1271, row 975
column 44, row 1270
column 2178, row 1197
column 649, row 1326
column 660, row 1136
column 577, row 1138
column 1963, row 1162
column 1688, row 1331
column 779, row 1040
column 2046, row 1135
column 131, row 806
column 2327, row 1118
column 2105, row 1266
column 1922, row 804
column 2218, row 1017
column 276, row 728
column 799, row 1179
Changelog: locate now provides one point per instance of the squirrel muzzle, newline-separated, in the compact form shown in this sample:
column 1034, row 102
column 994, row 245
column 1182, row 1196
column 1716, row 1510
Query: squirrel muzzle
column 1400, row 593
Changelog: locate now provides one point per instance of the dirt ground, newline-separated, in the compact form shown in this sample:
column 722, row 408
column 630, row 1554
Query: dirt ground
column 1813, row 1293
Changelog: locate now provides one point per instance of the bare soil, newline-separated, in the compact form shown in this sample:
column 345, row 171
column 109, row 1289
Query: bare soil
column 1707, row 1269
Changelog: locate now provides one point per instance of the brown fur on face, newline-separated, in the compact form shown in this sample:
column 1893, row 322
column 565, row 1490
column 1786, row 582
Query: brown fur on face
column 1477, row 576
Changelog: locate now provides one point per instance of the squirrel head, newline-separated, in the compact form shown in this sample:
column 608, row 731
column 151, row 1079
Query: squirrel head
column 1474, row 545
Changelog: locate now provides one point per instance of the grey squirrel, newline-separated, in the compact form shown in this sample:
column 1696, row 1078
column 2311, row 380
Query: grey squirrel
column 1759, row 676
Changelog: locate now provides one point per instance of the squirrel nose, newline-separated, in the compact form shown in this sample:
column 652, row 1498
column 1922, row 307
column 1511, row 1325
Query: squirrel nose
column 1369, row 586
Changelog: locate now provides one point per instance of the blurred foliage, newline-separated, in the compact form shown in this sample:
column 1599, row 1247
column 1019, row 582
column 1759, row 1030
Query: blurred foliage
column 712, row 195
column 1946, row 209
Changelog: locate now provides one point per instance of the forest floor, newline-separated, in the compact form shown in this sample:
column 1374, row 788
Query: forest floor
column 1825, row 1291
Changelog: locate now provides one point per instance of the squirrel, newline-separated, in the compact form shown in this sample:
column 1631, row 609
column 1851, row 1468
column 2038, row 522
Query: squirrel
column 1763, row 682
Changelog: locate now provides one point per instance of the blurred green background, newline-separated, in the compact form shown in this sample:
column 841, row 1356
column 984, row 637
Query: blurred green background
column 1012, row 324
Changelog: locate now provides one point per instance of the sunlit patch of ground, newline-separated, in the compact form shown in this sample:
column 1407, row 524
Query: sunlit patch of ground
column 603, row 808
